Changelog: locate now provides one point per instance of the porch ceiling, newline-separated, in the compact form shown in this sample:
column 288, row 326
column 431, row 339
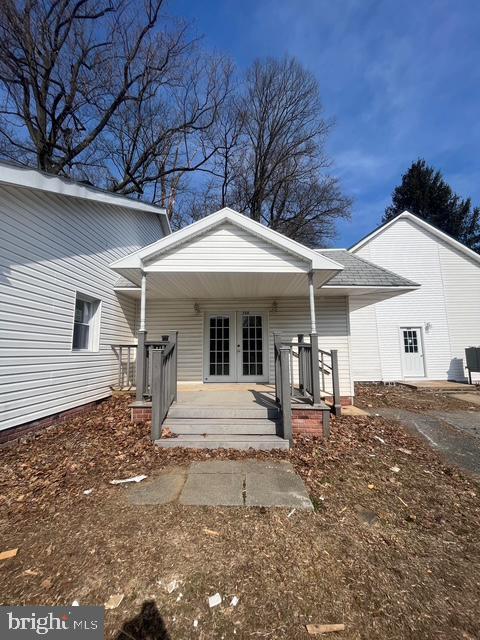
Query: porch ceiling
column 224, row 285
column 197, row 286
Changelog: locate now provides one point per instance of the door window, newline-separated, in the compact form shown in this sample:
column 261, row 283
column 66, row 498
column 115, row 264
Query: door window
column 252, row 345
column 220, row 345
column 410, row 340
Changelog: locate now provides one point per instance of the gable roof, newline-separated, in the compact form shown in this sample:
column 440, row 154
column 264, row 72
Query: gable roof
column 430, row 228
column 17, row 175
column 359, row 272
column 314, row 260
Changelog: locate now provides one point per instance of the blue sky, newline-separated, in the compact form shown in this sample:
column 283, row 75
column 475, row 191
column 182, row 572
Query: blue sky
column 401, row 79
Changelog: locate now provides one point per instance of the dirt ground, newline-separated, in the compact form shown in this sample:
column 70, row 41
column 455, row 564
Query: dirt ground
column 368, row 396
column 414, row 573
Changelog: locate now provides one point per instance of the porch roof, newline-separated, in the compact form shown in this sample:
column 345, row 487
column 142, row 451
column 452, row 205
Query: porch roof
column 224, row 244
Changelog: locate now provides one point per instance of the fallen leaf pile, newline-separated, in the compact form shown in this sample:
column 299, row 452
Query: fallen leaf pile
column 391, row 550
column 371, row 396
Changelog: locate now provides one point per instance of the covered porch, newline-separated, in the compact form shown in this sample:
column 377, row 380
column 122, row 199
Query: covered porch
column 228, row 301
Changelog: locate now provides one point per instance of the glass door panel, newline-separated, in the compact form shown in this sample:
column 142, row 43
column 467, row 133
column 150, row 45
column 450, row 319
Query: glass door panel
column 219, row 348
column 251, row 346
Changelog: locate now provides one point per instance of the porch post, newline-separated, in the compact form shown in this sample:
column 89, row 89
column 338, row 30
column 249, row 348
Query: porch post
column 314, row 343
column 311, row 292
column 141, row 338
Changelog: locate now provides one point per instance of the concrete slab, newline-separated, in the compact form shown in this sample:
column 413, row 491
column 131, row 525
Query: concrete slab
column 240, row 466
column 160, row 490
column 266, row 466
column 471, row 398
column 352, row 410
column 216, row 466
column 213, row 489
column 445, row 386
column 226, row 483
column 277, row 488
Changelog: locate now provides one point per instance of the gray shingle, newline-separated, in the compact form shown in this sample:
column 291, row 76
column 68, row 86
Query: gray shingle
column 359, row 272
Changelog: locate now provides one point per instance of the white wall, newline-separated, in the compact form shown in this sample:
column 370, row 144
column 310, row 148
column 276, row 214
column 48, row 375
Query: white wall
column 50, row 247
column 229, row 248
column 292, row 317
column 448, row 300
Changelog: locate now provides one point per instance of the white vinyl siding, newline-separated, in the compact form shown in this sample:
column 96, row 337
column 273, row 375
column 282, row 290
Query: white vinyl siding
column 446, row 305
column 52, row 246
column 291, row 317
column 461, row 278
column 365, row 357
column 228, row 248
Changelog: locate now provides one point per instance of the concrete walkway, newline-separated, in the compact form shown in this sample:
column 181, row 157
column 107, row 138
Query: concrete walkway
column 250, row 483
column 456, row 434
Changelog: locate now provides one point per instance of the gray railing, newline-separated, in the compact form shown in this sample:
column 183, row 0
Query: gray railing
column 135, row 365
column 317, row 376
column 126, row 355
column 309, row 355
column 163, row 383
column 283, row 384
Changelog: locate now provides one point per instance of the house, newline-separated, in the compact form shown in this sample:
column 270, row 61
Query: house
column 59, row 313
column 243, row 300
column 424, row 333
column 96, row 293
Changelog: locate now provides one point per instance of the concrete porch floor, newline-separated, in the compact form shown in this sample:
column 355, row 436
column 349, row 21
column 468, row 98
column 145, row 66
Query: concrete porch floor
column 234, row 394
column 226, row 394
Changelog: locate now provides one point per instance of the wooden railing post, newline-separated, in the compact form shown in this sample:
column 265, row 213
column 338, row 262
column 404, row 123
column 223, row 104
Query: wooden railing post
column 156, row 384
column 286, row 400
column 174, row 338
column 337, row 405
column 315, row 368
column 120, row 373
column 301, row 363
column 140, row 375
column 276, row 348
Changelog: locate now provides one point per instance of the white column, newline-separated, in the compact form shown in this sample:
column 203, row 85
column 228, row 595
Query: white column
column 143, row 301
column 311, row 292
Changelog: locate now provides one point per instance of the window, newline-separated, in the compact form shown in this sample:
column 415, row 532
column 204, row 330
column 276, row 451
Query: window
column 85, row 324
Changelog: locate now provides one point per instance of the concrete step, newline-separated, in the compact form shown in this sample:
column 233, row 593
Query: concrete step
column 214, row 411
column 262, row 443
column 221, row 426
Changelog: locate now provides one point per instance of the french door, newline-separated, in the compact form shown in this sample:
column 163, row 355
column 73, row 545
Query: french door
column 236, row 347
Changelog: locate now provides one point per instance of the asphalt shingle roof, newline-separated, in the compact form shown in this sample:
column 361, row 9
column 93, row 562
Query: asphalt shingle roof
column 359, row 272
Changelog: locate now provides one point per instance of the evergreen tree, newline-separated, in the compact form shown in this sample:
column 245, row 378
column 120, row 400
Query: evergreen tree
column 425, row 193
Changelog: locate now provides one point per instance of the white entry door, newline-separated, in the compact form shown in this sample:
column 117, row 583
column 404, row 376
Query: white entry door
column 236, row 347
column 412, row 352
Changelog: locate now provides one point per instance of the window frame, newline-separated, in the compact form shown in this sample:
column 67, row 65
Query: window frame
column 93, row 323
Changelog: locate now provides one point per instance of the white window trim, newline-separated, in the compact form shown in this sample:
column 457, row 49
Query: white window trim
column 94, row 324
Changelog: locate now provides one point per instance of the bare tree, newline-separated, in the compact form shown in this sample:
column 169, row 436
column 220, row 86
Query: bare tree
column 107, row 90
column 277, row 168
